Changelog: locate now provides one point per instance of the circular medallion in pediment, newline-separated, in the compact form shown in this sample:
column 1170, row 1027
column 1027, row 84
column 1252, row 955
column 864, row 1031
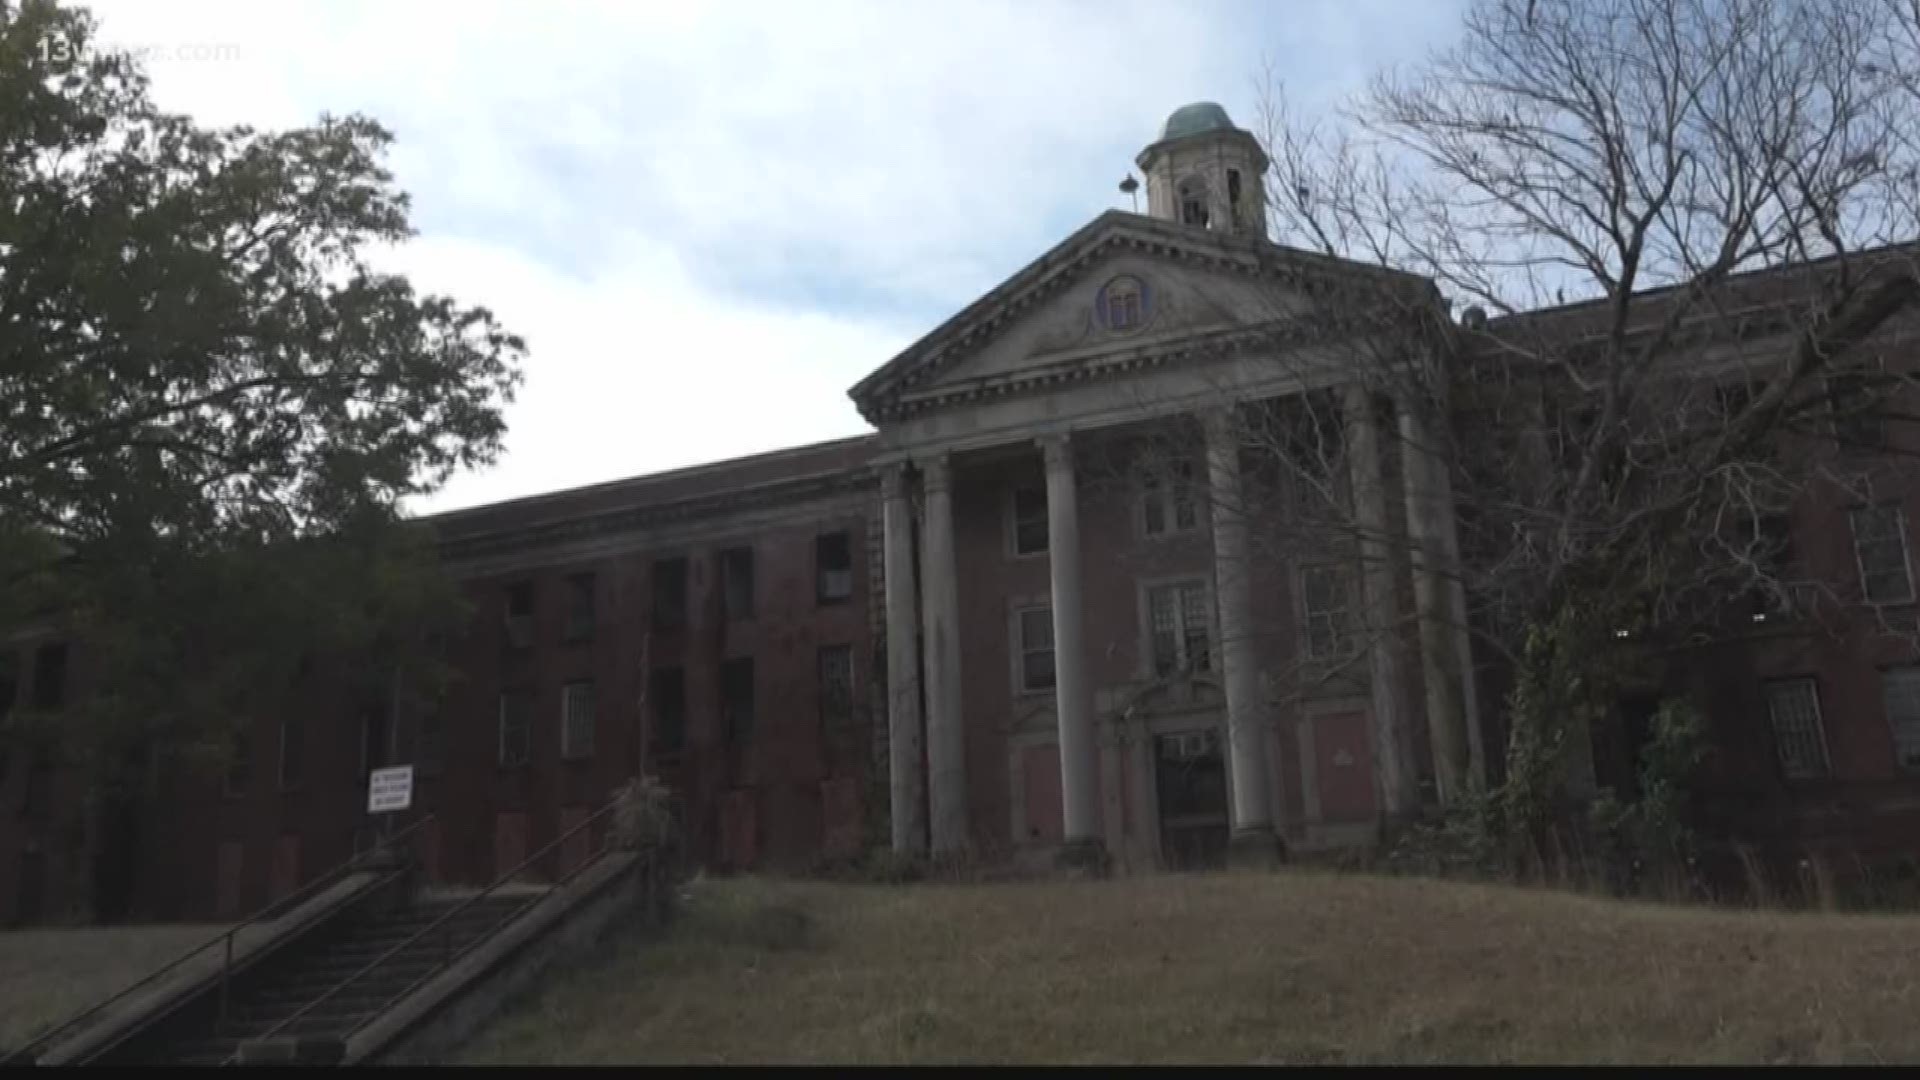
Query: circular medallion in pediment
column 1124, row 305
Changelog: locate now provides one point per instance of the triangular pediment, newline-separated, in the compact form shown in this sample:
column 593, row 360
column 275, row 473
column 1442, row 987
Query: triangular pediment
column 1123, row 285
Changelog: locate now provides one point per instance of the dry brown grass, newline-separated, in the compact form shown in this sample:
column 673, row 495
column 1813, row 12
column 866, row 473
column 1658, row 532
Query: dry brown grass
column 1294, row 967
column 48, row 975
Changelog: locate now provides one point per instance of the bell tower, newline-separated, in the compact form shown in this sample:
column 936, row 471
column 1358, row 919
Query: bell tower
column 1205, row 173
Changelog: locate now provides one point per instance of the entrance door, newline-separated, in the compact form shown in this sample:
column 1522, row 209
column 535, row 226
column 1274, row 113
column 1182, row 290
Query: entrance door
column 1190, row 777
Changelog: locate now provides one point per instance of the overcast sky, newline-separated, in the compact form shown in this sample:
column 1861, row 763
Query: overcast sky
column 710, row 219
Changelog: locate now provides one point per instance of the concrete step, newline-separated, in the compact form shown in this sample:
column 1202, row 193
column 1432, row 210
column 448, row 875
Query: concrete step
column 353, row 1004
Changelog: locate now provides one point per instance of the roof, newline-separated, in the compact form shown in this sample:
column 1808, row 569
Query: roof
column 1198, row 118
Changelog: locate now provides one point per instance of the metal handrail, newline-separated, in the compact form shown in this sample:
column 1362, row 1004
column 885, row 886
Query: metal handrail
column 448, row 955
column 283, row 904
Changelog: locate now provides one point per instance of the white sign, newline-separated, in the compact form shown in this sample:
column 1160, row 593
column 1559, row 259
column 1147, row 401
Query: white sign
column 390, row 789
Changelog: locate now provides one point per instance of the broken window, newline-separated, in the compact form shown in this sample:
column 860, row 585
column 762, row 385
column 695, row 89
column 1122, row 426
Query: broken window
column 1794, row 707
column 1167, row 503
column 668, row 690
column 1193, row 203
column 1029, row 520
column 1880, row 548
column 1036, row 649
column 516, row 728
column 1325, row 610
column 519, row 616
column 833, row 556
column 736, row 582
column 669, row 593
column 580, row 607
column 576, row 721
column 1177, row 614
column 736, row 698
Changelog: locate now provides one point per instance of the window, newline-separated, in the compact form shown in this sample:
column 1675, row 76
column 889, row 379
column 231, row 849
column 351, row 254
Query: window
column 1325, row 611
column 835, row 666
column 736, row 698
column 1029, row 520
column 1193, row 203
column 1794, row 705
column 519, row 617
column 1167, row 502
column 1124, row 309
column 1901, row 687
column 580, row 589
column 429, row 741
column 293, row 749
column 239, row 765
column 1880, row 547
column 576, row 721
column 50, row 676
column 833, row 556
column 668, row 691
column 1766, row 541
column 1854, row 404
column 1036, row 649
column 736, row 582
column 1177, row 615
column 669, row 593
column 516, row 728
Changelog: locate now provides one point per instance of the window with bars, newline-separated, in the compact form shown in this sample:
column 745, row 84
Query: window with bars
column 1326, row 612
column 576, row 721
column 1167, row 503
column 1880, row 548
column 516, row 728
column 835, row 667
column 1029, row 520
column 1177, row 614
column 1036, row 649
column 1901, row 687
column 1794, row 707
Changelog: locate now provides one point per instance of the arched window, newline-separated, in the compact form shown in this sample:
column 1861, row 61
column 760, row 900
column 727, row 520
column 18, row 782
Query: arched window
column 1193, row 202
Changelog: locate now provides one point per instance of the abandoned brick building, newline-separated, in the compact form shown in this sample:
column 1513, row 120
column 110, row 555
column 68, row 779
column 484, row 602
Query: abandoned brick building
column 967, row 631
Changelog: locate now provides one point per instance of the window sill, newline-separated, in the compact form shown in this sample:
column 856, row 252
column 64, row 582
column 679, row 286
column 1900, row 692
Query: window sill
column 1022, row 556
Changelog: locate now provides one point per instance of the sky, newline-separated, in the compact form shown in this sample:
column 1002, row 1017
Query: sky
column 709, row 220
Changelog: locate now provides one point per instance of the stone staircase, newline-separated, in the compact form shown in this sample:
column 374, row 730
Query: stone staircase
column 284, row 986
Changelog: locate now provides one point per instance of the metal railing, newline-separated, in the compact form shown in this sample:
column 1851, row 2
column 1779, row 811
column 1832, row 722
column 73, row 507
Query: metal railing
column 225, row 940
column 444, row 926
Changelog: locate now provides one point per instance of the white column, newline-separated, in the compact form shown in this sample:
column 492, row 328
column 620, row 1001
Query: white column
column 1079, row 757
column 940, row 611
column 1396, row 782
column 1442, row 656
column 905, row 737
column 1253, row 837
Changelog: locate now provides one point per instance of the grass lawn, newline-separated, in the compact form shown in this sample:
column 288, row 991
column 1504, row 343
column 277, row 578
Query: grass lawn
column 1293, row 967
column 48, row 975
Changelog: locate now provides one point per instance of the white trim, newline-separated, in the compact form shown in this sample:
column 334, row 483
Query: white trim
column 1143, row 605
column 1819, row 726
column 1345, row 581
column 1017, row 652
column 1010, row 517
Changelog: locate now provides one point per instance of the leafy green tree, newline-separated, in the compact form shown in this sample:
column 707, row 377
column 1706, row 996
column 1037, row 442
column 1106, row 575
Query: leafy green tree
column 213, row 405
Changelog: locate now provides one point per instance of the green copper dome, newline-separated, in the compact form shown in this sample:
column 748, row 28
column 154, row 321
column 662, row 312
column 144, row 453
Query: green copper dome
column 1195, row 119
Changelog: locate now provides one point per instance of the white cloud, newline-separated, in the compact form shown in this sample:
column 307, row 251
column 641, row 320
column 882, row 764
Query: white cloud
column 709, row 220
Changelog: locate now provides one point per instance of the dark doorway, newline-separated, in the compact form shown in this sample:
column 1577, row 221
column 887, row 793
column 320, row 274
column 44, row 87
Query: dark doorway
column 1190, row 777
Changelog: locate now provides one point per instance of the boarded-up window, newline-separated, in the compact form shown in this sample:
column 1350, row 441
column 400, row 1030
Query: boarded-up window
column 833, row 558
column 1901, row 687
column 1794, row 707
column 668, row 691
column 576, row 721
column 736, row 582
column 1036, row 649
